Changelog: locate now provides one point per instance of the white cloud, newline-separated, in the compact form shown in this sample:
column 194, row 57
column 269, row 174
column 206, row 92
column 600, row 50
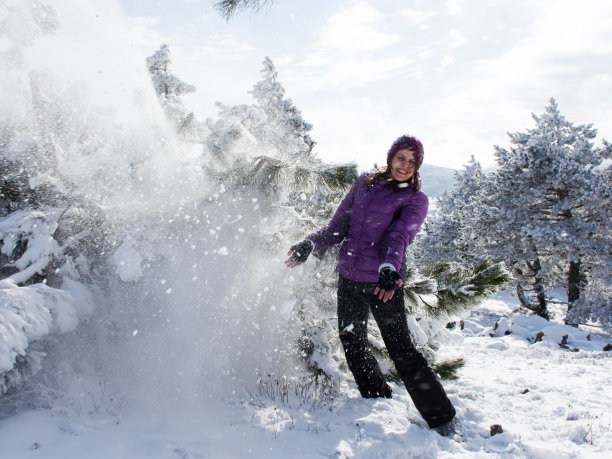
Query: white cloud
column 565, row 55
column 354, row 30
column 143, row 32
column 446, row 61
column 454, row 7
column 352, row 50
column 457, row 38
column 418, row 17
column 354, row 129
column 227, row 47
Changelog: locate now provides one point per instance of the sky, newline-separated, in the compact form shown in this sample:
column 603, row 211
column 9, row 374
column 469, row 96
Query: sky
column 458, row 74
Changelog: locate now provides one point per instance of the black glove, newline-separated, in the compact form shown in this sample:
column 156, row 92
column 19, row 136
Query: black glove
column 387, row 279
column 301, row 251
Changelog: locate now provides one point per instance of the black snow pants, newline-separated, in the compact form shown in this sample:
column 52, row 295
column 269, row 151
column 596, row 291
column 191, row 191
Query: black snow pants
column 355, row 301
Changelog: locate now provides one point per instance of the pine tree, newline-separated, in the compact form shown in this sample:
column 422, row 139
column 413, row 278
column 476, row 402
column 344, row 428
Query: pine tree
column 538, row 214
column 169, row 89
column 165, row 83
column 47, row 228
column 265, row 150
column 449, row 235
column 293, row 134
column 266, row 147
column 590, row 300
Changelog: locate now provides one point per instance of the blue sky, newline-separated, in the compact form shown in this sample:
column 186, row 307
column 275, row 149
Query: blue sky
column 459, row 74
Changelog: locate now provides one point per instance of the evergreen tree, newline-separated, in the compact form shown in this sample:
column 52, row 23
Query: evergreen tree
column 590, row 300
column 47, row 228
column 538, row 213
column 449, row 235
column 267, row 146
column 291, row 133
column 169, row 89
column 264, row 151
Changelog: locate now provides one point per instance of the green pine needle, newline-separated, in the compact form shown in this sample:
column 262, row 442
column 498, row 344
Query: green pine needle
column 448, row 369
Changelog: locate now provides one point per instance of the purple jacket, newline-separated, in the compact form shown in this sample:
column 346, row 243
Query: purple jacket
column 376, row 225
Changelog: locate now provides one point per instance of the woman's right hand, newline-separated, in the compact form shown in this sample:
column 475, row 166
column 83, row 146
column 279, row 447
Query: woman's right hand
column 299, row 253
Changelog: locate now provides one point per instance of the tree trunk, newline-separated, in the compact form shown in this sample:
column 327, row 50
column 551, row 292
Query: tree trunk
column 575, row 284
column 538, row 287
column 541, row 305
column 520, row 292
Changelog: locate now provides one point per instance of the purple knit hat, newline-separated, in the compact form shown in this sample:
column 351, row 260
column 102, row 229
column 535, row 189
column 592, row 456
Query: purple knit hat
column 409, row 142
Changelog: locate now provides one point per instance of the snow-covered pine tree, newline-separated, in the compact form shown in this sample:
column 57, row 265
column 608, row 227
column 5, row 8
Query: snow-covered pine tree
column 538, row 211
column 264, row 152
column 590, row 290
column 449, row 236
column 503, row 227
column 46, row 234
column 280, row 111
column 169, row 89
column 577, row 201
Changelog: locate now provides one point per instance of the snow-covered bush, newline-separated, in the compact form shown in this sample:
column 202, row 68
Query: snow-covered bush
column 28, row 314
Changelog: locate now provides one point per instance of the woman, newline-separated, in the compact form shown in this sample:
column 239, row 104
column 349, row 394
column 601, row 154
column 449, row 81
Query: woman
column 375, row 223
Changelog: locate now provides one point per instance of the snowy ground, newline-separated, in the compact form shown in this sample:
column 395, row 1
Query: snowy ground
column 552, row 402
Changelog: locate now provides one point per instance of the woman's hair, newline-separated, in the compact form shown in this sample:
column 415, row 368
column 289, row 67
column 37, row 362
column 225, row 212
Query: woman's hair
column 383, row 175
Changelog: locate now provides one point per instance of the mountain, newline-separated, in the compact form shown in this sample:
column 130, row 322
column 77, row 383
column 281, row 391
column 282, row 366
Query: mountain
column 436, row 179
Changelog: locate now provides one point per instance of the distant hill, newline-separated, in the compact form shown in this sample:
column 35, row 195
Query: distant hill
column 436, row 179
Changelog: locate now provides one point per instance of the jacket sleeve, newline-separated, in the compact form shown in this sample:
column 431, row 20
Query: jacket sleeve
column 337, row 229
column 403, row 229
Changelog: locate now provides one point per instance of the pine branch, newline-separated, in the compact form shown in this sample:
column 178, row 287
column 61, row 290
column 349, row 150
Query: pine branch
column 448, row 369
column 457, row 288
column 227, row 8
column 340, row 176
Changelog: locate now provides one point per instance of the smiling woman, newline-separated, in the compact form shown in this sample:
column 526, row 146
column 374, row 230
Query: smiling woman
column 374, row 224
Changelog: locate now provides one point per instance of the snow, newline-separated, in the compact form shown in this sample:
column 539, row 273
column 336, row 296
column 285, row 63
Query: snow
column 156, row 362
column 550, row 401
column 128, row 262
column 28, row 313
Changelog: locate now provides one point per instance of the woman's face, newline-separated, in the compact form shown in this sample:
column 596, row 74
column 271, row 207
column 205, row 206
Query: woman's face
column 403, row 165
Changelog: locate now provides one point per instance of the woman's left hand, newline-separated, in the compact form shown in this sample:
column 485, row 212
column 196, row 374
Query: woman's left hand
column 386, row 295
